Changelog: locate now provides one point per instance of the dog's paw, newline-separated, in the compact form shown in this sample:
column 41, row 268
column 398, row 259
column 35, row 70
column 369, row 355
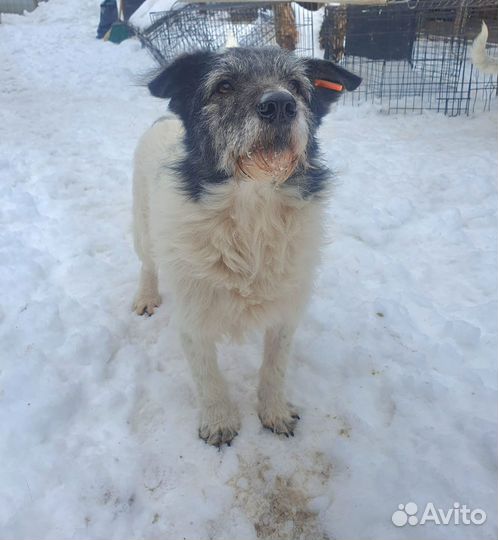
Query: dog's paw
column 279, row 417
column 146, row 304
column 220, row 424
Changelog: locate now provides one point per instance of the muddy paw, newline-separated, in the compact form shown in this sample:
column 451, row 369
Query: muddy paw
column 146, row 304
column 219, row 425
column 280, row 418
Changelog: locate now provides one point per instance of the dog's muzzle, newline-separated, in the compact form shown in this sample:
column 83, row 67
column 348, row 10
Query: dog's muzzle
column 273, row 159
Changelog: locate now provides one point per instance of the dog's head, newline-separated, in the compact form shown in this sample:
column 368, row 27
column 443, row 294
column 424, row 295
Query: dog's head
column 251, row 113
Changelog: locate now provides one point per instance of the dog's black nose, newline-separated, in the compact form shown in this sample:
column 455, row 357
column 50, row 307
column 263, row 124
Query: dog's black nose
column 277, row 105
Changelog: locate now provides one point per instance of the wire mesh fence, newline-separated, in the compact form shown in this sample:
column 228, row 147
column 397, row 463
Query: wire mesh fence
column 413, row 56
column 209, row 26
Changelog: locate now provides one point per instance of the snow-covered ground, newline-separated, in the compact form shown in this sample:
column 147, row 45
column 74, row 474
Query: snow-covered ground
column 394, row 368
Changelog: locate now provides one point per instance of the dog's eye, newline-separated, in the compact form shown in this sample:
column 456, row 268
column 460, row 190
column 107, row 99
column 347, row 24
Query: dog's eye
column 224, row 87
column 295, row 86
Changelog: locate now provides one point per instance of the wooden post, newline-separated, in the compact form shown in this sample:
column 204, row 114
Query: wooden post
column 286, row 32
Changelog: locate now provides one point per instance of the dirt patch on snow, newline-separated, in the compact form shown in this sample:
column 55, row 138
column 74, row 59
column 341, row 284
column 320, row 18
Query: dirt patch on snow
column 277, row 505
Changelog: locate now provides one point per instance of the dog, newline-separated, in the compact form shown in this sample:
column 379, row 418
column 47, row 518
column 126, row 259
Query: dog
column 228, row 203
column 480, row 58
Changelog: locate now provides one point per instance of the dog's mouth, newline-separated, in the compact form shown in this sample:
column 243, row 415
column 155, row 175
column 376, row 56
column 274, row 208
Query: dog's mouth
column 266, row 165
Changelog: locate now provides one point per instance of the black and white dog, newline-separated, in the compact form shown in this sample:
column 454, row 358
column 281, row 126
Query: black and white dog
column 228, row 203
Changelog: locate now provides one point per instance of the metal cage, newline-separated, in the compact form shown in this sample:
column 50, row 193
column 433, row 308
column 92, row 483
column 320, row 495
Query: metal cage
column 209, row 26
column 415, row 56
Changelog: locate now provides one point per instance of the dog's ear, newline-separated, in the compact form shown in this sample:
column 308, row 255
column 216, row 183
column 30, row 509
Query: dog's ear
column 329, row 82
column 180, row 80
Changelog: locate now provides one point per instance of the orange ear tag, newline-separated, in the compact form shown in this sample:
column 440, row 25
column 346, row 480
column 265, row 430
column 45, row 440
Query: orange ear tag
column 320, row 83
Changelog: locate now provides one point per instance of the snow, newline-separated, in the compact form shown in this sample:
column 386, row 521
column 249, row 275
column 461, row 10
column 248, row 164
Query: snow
column 394, row 367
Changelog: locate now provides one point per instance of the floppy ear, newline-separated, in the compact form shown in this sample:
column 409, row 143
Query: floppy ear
column 180, row 80
column 329, row 82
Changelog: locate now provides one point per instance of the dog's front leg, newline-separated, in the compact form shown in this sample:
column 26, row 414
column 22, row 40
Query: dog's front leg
column 220, row 421
column 274, row 411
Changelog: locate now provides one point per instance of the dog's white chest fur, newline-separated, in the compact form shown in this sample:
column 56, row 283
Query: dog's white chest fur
column 237, row 258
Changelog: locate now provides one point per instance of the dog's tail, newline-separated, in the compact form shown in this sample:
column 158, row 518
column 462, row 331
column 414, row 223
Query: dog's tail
column 480, row 58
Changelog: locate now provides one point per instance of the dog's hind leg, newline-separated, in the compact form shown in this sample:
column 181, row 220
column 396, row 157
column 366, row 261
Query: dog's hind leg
column 147, row 298
column 274, row 411
column 220, row 421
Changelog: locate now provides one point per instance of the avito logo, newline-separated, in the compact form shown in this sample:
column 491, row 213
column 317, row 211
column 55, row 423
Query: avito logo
column 458, row 514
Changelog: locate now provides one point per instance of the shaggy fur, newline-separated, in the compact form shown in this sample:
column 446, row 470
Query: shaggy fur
column 480, row 58
column 238, row 253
